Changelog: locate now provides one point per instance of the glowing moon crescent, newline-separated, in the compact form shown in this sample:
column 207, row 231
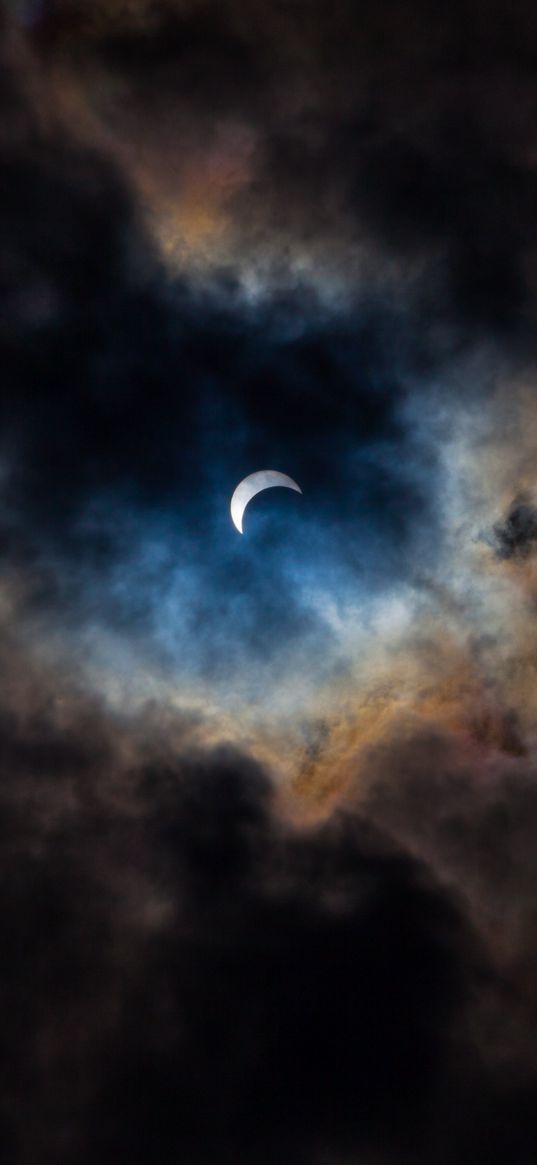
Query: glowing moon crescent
column 252, row 485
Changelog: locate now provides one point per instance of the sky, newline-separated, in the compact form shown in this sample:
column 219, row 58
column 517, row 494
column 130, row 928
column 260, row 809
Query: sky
column 268, row 844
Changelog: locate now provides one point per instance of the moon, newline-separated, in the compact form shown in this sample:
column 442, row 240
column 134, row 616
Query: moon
column 252, row 485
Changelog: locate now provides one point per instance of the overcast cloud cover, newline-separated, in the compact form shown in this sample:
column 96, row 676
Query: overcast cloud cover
column 268, row 803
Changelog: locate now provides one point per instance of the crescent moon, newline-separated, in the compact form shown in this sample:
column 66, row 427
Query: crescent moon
column 252, row 485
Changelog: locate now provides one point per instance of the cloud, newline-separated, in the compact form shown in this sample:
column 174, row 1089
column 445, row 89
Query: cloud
column 382, row 147
column 108, row 512
column 188, row 970
column 297, row 237
column 433, row 173
column 515, row 535
column 184, row 971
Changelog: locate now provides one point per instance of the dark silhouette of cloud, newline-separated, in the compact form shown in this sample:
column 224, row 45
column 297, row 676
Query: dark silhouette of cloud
column 407, row 129
column 516, row 534
column 186, row 973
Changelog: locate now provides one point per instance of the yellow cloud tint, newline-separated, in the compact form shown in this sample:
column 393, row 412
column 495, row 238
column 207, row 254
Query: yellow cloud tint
column 187, row 197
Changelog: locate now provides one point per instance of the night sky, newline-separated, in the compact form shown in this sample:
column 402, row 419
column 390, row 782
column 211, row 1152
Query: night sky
column 268, row 803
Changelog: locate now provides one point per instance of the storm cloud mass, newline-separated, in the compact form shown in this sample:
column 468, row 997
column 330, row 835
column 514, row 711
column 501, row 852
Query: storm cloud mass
column 268, row 809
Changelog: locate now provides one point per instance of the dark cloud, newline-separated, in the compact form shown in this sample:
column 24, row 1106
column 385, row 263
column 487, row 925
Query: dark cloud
column 515, row 536
column 184, row 973
column 405, row 128
column 196, row 59
column 429, row 178
column 472, row 814
column 323, row 1037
